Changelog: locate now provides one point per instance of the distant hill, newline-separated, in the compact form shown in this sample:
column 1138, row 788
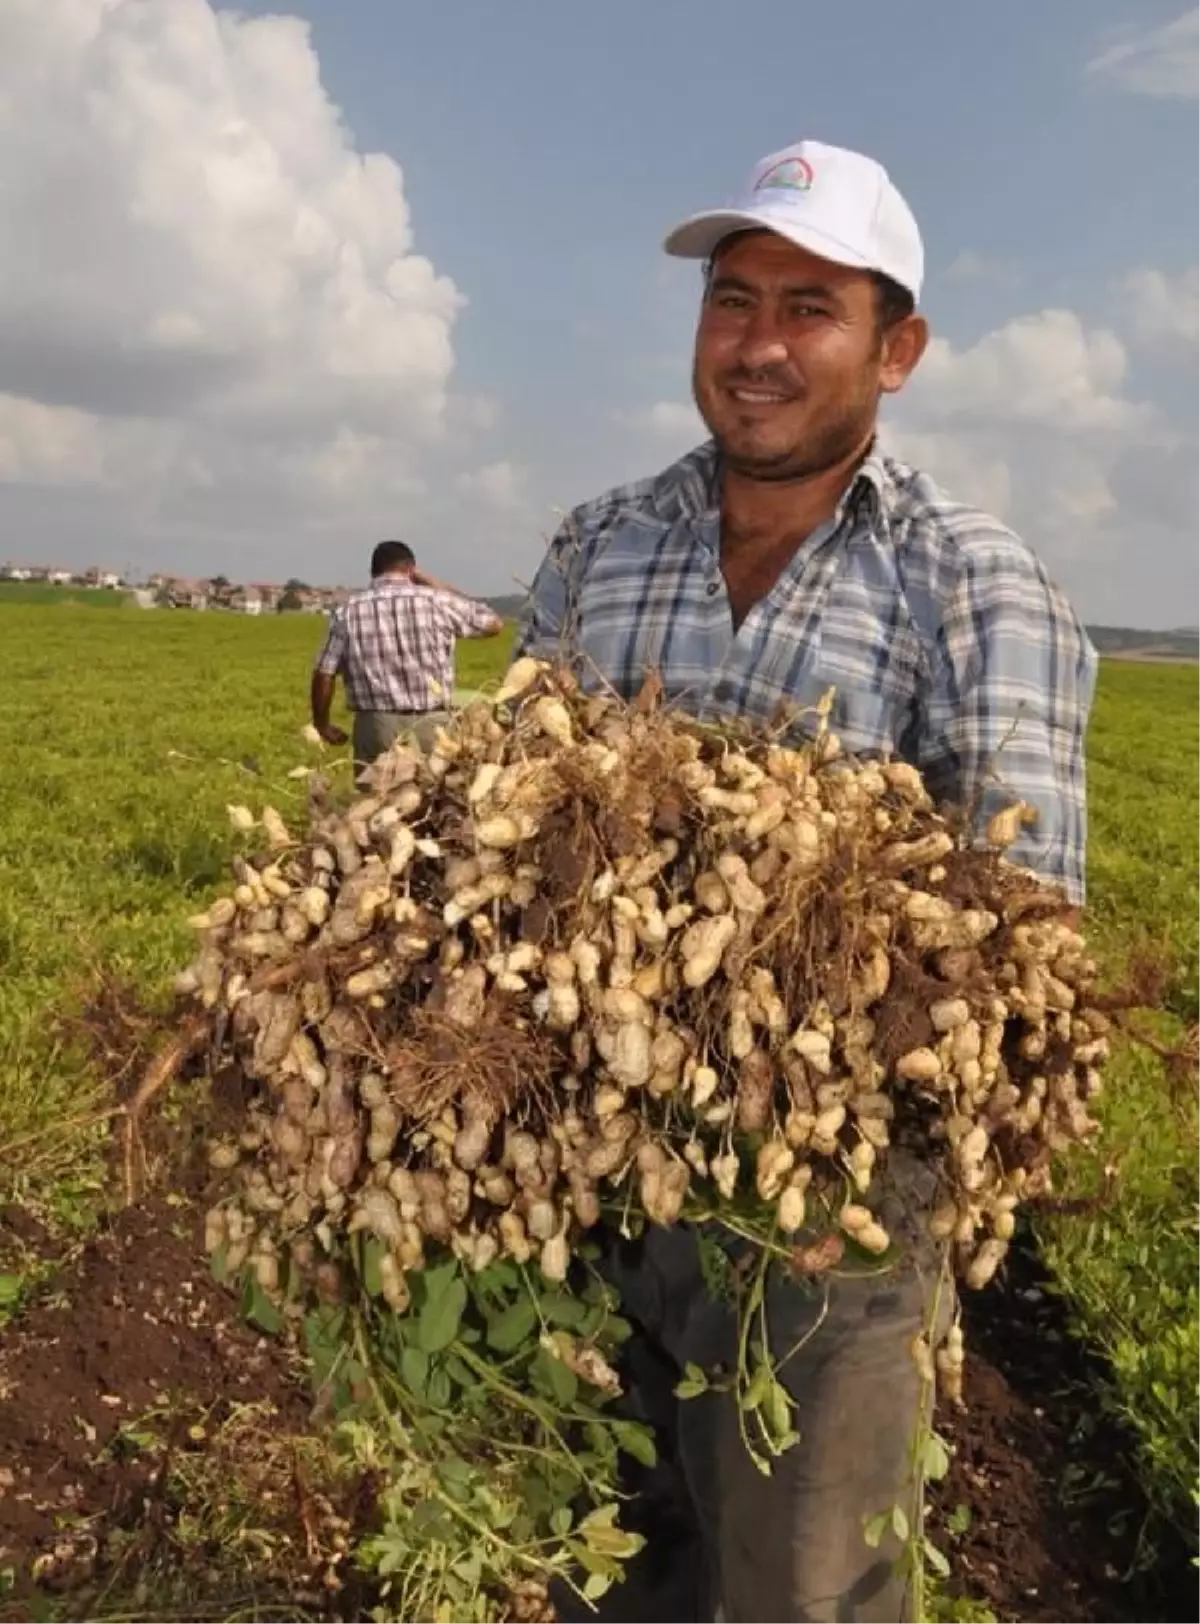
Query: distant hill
column 1127, row 642
column 1130, row 644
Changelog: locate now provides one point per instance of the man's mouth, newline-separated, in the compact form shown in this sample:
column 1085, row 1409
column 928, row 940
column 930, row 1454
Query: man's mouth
column 746, row 396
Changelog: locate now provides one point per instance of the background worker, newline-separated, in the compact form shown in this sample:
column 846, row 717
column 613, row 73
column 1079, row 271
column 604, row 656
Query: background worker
column 787, row 556
column 393, row 646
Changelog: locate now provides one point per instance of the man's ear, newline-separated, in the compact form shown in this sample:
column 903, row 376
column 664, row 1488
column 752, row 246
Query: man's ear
column 903, row 346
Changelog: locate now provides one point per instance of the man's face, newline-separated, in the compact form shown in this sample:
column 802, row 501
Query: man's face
column 790, row 359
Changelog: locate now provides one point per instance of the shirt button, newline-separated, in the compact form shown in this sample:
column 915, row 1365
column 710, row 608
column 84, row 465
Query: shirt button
column 712, row 589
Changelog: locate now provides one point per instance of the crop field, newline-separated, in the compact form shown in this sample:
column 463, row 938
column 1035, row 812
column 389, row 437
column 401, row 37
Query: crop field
column 183, row 1449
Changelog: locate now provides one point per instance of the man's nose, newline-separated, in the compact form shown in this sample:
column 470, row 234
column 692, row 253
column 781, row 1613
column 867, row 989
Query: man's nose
column 763, row 343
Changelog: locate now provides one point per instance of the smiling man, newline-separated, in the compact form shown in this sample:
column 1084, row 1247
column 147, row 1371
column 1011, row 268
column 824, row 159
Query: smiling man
column 787, row 556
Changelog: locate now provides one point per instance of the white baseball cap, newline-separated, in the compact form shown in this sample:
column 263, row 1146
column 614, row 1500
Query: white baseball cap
column 837, row 204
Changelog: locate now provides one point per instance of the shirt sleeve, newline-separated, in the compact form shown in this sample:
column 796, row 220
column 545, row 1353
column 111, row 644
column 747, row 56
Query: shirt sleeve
column 333, row 652
column 545, row 625
column 465, row 615
column 1010, row 695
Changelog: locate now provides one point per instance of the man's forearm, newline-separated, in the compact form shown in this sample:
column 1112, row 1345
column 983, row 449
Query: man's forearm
column 322, row 699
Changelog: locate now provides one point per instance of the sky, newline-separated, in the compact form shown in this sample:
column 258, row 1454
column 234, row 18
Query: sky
column 278, row 282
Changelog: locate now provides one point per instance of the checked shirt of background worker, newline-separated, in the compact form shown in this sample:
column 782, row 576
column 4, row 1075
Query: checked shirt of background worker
column 393, row 645
column 946, row 642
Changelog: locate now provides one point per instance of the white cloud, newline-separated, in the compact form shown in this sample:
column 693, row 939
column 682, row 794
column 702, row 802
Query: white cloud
column 502, row 485
column 1161, row 61
column 1162, row 311
column 1033, row 424
column 665, row 429
column 1046, row 370
column 211, row 306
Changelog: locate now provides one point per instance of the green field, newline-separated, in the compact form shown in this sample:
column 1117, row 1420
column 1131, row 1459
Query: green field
column 125, row 735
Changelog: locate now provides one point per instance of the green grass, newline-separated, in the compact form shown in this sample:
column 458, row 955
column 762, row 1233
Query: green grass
column 125, row 735
column 1128, row 1272
column 41, row 593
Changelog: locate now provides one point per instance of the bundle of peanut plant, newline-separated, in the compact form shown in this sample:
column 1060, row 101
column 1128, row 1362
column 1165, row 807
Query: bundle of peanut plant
column 586, row 959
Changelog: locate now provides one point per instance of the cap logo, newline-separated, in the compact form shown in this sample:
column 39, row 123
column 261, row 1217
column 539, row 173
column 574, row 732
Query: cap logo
column 789, row 174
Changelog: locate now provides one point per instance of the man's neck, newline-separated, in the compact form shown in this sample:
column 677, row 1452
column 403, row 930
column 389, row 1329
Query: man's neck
column 766, row 514
column 764, row 523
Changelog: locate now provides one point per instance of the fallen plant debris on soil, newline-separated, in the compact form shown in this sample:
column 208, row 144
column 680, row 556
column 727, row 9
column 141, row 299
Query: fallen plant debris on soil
column 583, row 960
column 136, row 1409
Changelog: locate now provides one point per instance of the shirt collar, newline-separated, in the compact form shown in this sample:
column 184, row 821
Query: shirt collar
column 690, row 488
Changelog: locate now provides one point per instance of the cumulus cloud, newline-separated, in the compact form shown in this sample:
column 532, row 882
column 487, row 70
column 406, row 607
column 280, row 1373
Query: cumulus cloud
column 210, row 301
column 1034, row 423
column 667, row 428
column 1159, row 61
column 1162, row 311
column 1045, row 370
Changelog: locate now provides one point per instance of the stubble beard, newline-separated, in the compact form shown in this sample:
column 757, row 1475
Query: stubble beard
column 829, row 444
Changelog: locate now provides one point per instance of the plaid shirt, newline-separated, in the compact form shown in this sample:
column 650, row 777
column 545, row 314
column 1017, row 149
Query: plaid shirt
column 393, row 645
column 946, row 642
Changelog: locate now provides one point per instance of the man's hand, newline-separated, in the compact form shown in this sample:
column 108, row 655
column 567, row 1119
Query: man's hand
column 321, row 701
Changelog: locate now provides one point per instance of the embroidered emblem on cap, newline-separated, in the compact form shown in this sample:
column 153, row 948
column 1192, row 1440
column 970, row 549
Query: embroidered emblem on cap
column 790, row 174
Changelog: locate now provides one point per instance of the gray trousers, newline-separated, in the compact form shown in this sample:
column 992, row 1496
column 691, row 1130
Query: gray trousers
column 374, row 732
column 790, row 1546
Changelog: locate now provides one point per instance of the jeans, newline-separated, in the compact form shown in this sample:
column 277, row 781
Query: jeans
column 790, row 1546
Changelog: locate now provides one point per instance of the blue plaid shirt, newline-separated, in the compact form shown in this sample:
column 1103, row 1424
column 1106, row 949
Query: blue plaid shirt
column 943, row 637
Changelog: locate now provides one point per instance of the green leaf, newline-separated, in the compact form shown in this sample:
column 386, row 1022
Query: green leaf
column 760, row 1386
column 438, row 1389
column 777, row 1411
column 875, row 1528
column 638, row 1441
column 561, row 1309
column 517, row 1324
column 553, row 1377
column 414, row 1370
column 440, row 1317
column 935, row 1461
column 561, row 1520
column 935, row 1559
column 959, row 1519
column 899, row 1523
column 693, row 1383
column 11, row 1287
column 596, row 1585
column 603, row 1538
column 258, row 1308
column 455, row 1473
column 459, row 1373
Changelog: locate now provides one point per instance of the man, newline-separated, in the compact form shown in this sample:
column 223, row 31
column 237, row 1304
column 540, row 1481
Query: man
column 393, row 645
column 787, row 556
